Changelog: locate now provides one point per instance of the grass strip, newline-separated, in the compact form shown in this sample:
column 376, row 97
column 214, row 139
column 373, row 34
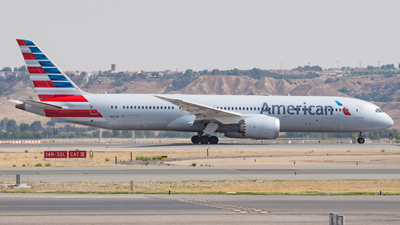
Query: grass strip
column 224, row 187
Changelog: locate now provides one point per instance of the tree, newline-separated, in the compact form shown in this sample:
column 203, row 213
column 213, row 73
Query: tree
column 15, row 69
column 397, row 136
column 2, row 87
column 343, row 90
column 6, row 69
column 51, row 123
column 391, row 134
column 24, row 127
column 22, row 68
column 115, row 133
column 36, row 126
column 11, row 123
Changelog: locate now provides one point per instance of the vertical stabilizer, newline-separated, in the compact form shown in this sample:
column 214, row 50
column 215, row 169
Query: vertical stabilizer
column 50, row 81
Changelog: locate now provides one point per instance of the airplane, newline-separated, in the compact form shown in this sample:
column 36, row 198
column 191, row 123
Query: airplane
column 237, row 116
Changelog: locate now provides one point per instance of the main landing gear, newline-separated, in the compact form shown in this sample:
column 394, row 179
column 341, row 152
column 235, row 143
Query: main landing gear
column 204, row 139
column 360, row 139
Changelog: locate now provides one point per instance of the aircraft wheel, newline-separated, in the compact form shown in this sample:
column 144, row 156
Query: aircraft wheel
column 213, row 140
column 204, row 139
column 361, row 140
column 196, row 139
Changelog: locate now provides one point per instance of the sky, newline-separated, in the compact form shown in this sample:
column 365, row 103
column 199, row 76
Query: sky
column 90, row 35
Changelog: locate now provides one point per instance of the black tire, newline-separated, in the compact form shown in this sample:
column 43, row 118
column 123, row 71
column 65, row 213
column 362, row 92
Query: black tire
column 204, row 140
column 213, row 140
column 196, row 139
column 361, row 140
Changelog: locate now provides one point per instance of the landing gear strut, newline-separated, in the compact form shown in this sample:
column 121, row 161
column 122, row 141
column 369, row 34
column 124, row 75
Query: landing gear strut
column 204, row 139
column 360, row 139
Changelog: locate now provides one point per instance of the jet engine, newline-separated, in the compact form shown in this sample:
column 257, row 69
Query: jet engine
column 256, row 127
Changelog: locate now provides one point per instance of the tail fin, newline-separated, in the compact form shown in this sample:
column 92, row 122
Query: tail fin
column 50, row 82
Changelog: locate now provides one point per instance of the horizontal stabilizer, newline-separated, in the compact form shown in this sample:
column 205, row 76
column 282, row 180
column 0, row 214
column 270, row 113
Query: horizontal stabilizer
column 37, row 104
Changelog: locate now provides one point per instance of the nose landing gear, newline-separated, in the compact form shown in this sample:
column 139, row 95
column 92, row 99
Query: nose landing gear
column 360, row 139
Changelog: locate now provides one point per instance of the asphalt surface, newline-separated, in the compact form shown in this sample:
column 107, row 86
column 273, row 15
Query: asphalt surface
column 156, row 173
column 195, row 209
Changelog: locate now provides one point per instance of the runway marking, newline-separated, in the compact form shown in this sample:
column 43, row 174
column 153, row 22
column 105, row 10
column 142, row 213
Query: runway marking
column 235, row 208
column 3, row 174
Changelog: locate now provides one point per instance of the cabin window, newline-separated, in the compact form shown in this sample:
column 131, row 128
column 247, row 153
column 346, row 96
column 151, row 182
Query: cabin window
column 172, row 107
column 112, row 107
column 168, row 107
column 240, row 108
column 247, row 108
column 115, row 107
column 229, row 108
column 146, row 107
column 258, row 108
column 340, row 110
column 123, row 107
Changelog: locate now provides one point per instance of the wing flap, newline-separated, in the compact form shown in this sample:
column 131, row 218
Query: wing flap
column 203, row 111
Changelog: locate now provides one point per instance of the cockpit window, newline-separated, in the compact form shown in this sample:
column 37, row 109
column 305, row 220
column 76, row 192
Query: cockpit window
column 378, row 110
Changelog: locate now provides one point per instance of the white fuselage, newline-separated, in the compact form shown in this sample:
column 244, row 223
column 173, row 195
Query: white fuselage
column 296, row 113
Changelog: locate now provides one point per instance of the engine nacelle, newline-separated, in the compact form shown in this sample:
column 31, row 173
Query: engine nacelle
column 256, row 127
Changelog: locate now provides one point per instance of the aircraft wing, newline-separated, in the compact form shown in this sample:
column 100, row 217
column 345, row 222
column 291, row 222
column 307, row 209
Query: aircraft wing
column 203, row 111
column 37, row 104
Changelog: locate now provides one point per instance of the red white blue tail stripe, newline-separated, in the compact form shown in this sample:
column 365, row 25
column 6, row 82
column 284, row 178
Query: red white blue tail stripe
column 55, row 88
column 49, row 81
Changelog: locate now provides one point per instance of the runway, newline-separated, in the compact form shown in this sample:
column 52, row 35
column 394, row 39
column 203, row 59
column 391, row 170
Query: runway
column 160, row 173
column 198, row 209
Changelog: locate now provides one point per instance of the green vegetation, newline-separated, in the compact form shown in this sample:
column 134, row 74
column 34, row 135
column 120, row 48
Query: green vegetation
column 194, row 164
column 343, row 90
column 38, row 164
column 107, row 159
column 146, row 158
column 36, row 131
column 47, row 164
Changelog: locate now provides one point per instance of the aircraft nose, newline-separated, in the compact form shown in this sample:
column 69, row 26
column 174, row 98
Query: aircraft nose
column 390, row 122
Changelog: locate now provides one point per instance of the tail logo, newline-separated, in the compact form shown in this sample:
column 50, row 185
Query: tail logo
column 47, row 78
